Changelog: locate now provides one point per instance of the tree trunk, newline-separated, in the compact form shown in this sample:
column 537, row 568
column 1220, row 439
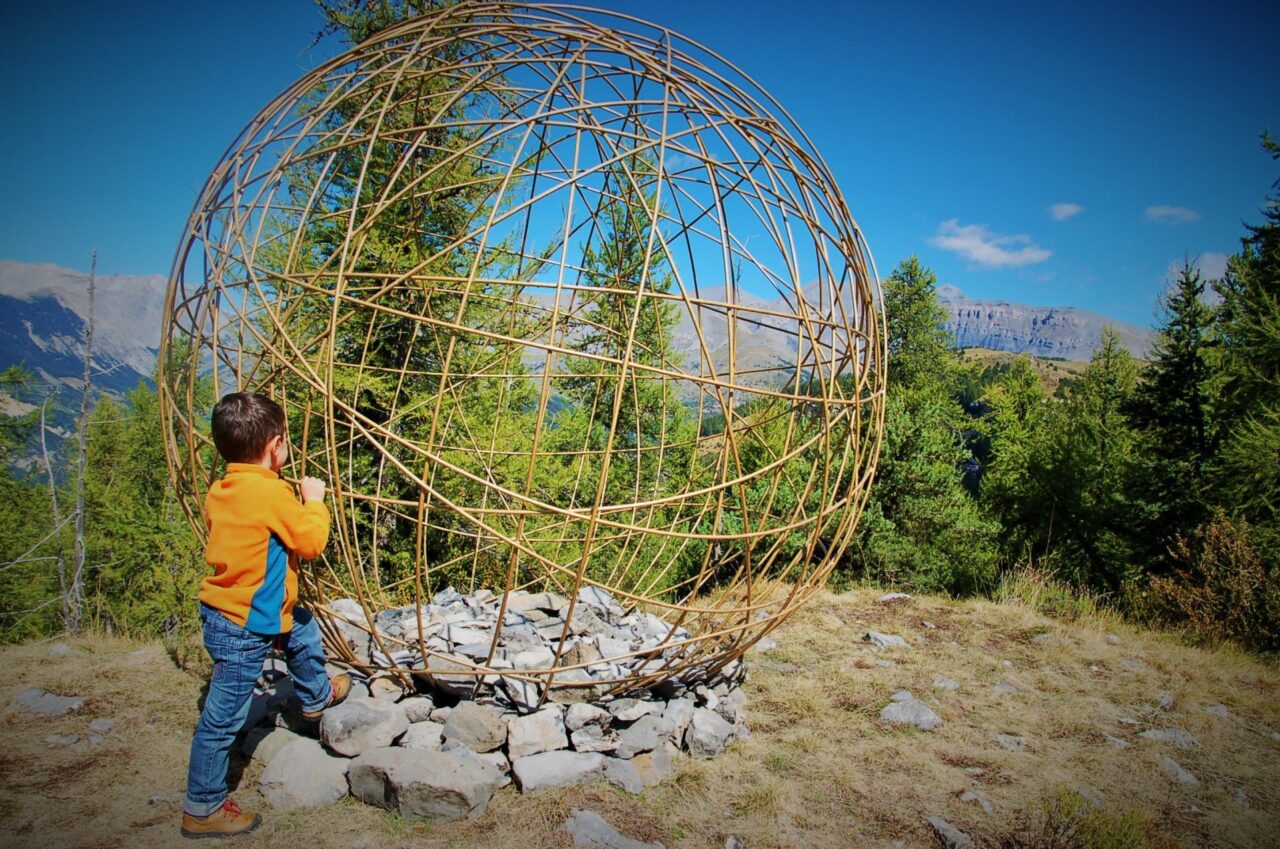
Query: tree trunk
column 75, row 603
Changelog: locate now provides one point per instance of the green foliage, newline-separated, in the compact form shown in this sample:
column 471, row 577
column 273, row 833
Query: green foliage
column 29, row 542
column 921, row 528
column 143, row 561
column 1170, row 409
column 1224, row 586
column 1060, row 472
column 1246, row 384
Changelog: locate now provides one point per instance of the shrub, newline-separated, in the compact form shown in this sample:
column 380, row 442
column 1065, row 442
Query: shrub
column 1222, row 587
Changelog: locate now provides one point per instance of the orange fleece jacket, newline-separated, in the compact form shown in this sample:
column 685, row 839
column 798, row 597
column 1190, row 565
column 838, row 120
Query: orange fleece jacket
column 257, row 532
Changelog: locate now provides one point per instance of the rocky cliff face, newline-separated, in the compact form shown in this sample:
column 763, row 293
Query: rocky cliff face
column 1065, row 332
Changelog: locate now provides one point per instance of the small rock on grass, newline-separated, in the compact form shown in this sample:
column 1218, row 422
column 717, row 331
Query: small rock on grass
column 970, row 796
column 1176, row 736
column 591, row 831
column 1012, row 742
column 43, row 703
column 887, row 641
column 943, row 683
column 904, row 709
column 1174, row 770
column 889, row 598
column 62, row 739
column 950, row 836
column 1217, row 710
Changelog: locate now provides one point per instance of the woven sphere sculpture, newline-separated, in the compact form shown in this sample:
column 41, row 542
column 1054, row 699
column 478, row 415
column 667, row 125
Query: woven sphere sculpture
column 564, row 307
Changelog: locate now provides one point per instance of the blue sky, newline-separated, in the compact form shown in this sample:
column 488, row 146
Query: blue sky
column 1055, row 156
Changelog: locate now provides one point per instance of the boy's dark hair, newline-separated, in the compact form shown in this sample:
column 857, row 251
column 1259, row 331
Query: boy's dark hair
column 243, row 423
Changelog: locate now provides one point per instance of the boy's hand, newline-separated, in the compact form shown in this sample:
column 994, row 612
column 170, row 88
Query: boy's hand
column 312, row 489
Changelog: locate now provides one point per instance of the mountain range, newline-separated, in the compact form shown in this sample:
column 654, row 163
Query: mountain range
column 43, row 309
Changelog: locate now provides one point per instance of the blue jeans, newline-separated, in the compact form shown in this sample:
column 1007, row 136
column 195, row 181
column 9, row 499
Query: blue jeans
column 238, row 656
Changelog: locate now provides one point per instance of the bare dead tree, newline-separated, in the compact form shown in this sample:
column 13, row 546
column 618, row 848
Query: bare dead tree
column 74, row 595
column 56, row 510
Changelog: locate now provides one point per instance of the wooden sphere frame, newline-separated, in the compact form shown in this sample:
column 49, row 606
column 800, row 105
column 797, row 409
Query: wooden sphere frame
column 552, row 116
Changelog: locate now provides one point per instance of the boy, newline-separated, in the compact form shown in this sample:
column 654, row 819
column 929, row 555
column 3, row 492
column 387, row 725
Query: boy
column 257, row 533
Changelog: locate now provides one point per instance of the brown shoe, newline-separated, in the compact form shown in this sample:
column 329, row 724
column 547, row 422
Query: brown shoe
column 226, row 821
column 341, row 686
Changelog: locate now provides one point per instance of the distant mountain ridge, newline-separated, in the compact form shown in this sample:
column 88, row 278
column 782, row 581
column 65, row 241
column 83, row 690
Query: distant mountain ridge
column 1067, row 332
column 43, row 309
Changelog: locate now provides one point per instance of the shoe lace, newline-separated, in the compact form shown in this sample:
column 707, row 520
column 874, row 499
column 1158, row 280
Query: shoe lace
column 230, row 808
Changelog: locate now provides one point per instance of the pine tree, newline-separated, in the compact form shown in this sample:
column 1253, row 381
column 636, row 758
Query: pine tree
column 1246, row 384
column 1170, row 408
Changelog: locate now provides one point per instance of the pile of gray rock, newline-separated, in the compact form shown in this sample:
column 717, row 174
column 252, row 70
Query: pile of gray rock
column 601, row 644
column 442, row 750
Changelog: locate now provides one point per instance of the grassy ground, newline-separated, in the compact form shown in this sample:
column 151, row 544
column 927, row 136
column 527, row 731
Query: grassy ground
column 820, row 769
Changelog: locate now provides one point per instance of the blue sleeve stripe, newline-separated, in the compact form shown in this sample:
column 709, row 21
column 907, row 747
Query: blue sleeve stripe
column 268, row 600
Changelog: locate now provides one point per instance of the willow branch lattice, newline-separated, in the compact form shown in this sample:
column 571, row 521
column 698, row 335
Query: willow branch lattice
column 557, row 300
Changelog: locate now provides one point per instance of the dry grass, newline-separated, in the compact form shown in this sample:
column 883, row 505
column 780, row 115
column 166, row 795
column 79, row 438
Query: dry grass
column 818, row 770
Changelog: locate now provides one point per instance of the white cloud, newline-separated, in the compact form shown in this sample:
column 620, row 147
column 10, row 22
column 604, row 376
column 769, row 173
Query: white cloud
column 1063, row 211
column 980, row 246
column 1163, row 214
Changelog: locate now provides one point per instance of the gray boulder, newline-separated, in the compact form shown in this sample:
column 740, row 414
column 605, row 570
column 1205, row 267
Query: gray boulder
column 708, row 733
column 264, row 741
column 581, row 715
column 644, row 735
column 479, row 728
column 538, row 732
column 623, row 774
column 418, row 708
column 1012, row 742
column 590, row 738
column 359, row 724
column 556, row 769
column 423, row 735
column 656, row 766
column 886, row 641
column 1174, row 770
column 422, row 784
column 590, row 831
column 303, row 775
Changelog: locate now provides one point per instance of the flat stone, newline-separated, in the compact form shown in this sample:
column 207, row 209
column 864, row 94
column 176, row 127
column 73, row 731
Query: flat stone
column 629, row 710
column 656, row 766
column 764, row 645
column 542, row 731
column 622, row 773
column 581, row 715
column 1114, row 639
column 303, row 775
column 887, row 641
column 1176, row 736
column 708, row 733
column 679, row 713
column 1012, row 742
column 943, row 683
column 1217, row 710
column 423, row 735
column 950, row 836
column 422, row 784
column 1116, row 742
column 418, row 708
column 591, row 738
column 61, row 650
column 1004, row 687
column 1174, row 770
column 62, row 739
column 590, row 831
column 43, row 703
column 479, row 728
column 905, row 709
column 102, row 726
column 970, row 796
column 361, row 724
column 644, row 735
column 263, row 742
column 1165, row 701
column 556, row 769
column 889, row 598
